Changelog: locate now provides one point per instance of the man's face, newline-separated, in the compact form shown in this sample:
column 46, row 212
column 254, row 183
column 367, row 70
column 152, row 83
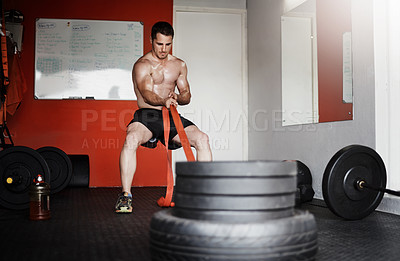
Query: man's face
column 161, row 46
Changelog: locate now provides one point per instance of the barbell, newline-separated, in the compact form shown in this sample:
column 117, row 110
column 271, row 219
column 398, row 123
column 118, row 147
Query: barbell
column 354, row 182
column 353, row 185
column 20, row 164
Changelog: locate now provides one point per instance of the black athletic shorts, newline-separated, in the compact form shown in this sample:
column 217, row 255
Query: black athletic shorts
column 153, row 120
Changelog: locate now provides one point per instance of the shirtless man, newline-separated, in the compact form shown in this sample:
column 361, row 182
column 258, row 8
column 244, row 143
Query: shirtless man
column 155, row 77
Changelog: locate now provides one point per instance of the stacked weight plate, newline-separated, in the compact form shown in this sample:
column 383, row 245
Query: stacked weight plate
column 60, row 167
column 234, row 211
column 19, row 165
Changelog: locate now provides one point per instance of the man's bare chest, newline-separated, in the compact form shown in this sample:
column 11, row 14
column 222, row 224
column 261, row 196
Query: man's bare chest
column 164, row 74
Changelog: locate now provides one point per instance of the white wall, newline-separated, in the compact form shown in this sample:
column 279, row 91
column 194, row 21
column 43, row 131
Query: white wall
column 218, row 81
column 387, row 80
column 220, row 30
column 314, row 144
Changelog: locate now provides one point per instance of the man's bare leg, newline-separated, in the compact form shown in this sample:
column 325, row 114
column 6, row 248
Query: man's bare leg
column 136, row 135
column 199, row 140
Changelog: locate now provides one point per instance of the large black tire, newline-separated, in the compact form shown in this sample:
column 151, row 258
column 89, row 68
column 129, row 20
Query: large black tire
column 290, row 238
column 235, row 191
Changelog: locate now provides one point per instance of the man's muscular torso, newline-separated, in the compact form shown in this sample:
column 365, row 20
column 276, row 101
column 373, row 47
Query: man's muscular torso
column 159, row 77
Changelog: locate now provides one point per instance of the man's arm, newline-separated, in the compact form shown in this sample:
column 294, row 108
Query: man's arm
column 182, row 84
column 145, row 85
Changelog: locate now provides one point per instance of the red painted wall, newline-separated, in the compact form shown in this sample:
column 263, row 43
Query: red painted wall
column 95, row 128
column 333, row 19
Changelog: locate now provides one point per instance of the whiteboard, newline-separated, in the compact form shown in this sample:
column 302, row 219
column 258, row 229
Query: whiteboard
column 86, row 59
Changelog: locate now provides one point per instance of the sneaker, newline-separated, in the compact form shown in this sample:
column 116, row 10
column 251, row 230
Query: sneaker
column 124, row 203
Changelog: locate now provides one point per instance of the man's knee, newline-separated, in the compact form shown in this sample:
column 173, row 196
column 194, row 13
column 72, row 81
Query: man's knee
column 133, row 140
column 201, row 140
column 136, row 135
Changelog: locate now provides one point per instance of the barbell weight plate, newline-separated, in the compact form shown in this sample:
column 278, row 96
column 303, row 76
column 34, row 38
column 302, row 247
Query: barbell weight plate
column 339, row 188
column 235, row 186
column 263, row 168
column 305, row 192
column 19, row 165
column 60, row 167
column 237, row 203
column 235, row 191
column 303, row 174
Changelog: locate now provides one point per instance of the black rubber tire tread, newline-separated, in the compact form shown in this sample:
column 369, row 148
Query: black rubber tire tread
column 232, row 216
column 60, row 166
column 304, row 253
column 235, row 186
column 237, row 168
column 291, row 238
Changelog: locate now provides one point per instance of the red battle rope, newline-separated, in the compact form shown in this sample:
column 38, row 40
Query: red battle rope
column 166, row 201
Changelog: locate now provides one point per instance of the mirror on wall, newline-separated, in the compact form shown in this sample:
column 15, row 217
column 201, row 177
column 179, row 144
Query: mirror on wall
column 317, row 80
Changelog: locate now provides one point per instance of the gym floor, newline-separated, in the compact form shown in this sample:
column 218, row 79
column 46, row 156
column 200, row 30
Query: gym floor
column 83, row 226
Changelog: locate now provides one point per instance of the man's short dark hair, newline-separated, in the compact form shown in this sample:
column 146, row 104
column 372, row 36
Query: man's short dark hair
column 163, row 28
